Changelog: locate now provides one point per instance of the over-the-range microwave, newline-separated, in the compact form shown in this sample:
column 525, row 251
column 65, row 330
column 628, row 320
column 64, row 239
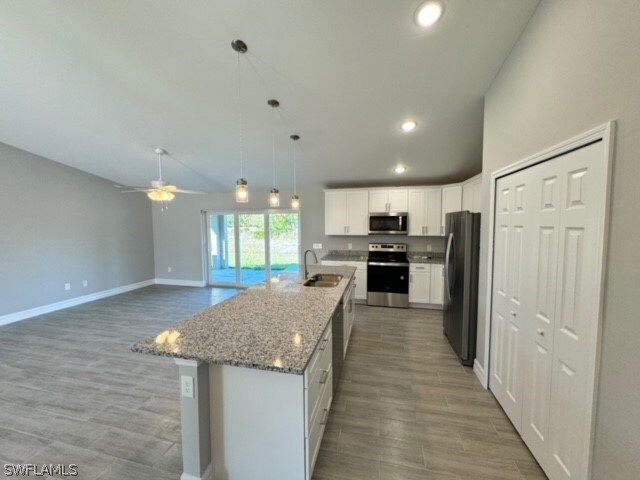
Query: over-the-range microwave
column 389, row 223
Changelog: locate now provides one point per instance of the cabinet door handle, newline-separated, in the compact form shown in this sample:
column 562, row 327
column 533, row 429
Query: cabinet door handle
column 426, row 230
column 324, row 344
column 323, row 379
column 325, row 417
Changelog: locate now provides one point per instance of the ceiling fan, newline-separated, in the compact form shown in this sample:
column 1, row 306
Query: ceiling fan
column 160, row 191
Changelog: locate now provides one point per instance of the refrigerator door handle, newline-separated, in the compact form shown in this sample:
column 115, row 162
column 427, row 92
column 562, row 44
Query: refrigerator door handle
column 447, row 259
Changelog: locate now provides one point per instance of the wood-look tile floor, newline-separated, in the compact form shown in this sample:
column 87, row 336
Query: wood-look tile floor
column 407, row 410
column 72, row 392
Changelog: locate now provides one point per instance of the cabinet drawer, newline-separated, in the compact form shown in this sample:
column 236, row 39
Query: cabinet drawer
column 323, row 346
column 316, row 430
column 420, row 267
column 317, row 376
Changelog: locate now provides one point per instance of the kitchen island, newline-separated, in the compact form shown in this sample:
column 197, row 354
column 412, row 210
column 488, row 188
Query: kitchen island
column 256, row 379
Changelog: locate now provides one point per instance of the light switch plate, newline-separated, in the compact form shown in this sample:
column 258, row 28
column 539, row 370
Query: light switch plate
column 85, row 283
column 169, row 269
column 350, row 246
column 186, row 386
column 67, row 286
column 317, row 246
column 429, row 248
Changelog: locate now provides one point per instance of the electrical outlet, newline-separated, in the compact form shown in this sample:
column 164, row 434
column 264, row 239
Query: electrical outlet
column 429, row 247
column 169, row 269
column 85, row 283
column 186, row 386
column 350, row 246
column 67, row 286
column 317, row 246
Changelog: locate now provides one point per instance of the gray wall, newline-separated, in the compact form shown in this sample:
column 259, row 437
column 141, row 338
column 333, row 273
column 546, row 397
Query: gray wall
column 575, row 67
column 178, row 230
column 60, row 225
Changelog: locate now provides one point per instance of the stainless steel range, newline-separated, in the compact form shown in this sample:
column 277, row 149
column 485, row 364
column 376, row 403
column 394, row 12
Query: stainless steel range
column 388, row 275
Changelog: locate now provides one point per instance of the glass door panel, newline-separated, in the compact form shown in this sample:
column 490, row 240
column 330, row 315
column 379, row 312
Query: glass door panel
column 222, row 249
column 252, row 248
column 284, row 244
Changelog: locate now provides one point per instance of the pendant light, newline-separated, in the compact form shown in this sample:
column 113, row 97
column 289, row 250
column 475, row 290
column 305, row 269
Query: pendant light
column 242, row 186
column 274, row 194
column 295, row 199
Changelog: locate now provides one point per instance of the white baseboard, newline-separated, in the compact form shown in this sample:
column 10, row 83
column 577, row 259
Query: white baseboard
column 181, row 283
column 72, row 302
column 480, row 373
column 207, row 475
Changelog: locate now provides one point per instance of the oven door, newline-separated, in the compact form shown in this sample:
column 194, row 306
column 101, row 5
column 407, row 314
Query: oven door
column 388, row 284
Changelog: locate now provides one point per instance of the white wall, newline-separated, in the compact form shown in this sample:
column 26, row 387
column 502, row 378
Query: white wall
column 60, row 225
column 577, row 66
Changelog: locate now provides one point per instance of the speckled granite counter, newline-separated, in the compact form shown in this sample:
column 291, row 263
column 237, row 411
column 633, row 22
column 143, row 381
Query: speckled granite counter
column 346, row 256
column 426, row 257
column 269, row 327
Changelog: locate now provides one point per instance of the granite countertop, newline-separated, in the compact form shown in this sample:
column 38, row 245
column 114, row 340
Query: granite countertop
column 346, row 256
column 274, row 326
column 426, row 257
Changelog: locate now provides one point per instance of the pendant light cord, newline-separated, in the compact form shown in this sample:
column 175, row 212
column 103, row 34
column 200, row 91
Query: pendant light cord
column 240, row 117
column 160, row 166
column 294, row 168
column 273, row 143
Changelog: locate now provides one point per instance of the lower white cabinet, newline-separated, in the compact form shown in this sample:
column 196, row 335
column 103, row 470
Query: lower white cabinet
column 436, row 288
column 426, row 283
column 419, row 283
column 360, row 277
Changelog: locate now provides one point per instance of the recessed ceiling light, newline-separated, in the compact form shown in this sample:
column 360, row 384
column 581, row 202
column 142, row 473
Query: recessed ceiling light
column 409, row 126
column 428, row 13
column 400, row 169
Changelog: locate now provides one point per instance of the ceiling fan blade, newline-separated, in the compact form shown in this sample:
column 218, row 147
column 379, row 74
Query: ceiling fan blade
column 179, row 190
column 143, row 190
column 131, row 187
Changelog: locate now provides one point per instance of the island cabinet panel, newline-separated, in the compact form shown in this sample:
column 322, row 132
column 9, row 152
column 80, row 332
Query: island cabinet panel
column 268, row 424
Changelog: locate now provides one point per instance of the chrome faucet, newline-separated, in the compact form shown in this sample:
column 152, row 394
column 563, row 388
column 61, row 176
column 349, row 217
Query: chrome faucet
column 306, row 271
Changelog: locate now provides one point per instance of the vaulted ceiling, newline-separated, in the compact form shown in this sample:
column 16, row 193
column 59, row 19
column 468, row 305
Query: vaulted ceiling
column 97, row 85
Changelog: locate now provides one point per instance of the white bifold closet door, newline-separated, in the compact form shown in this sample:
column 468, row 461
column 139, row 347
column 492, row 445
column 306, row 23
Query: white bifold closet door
column 549, row 221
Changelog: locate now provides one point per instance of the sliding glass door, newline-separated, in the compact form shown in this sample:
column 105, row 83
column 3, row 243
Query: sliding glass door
column 248, row 248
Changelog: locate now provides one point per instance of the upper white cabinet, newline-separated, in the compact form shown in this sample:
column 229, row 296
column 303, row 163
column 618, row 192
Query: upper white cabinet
column 346, row 212
column 425, row 207
column 392, row 200
column 472, row 194
column 451, row 202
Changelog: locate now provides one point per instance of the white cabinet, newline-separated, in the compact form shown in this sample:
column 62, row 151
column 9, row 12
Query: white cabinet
column 392, row 200
column 451, row 202
column 472, row 195
column 346, row 212
column 419, row 283
column 426, row 283
column 425, row 211
column 436, row 288
column 360, row 277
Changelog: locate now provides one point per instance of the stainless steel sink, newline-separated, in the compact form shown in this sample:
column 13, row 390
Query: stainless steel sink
column 323, row 280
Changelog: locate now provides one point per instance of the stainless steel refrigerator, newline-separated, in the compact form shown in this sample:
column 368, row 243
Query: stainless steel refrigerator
column 462, row 233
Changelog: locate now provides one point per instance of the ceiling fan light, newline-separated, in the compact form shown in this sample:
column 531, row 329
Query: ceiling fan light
column 160, row 196
column 274, row 198
column 242, row 191
column 295, row 202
